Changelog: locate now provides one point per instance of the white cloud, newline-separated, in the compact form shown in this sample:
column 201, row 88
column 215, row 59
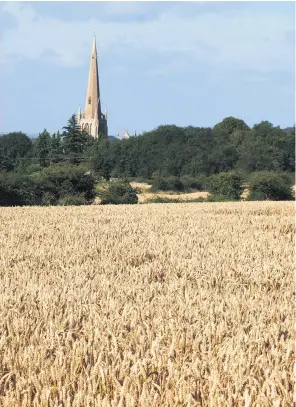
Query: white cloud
column 238, row 40
column 123, row 8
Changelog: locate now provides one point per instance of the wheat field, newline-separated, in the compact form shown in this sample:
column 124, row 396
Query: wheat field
column 148, row 305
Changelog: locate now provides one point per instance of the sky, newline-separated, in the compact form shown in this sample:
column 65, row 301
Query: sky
column 182, row 63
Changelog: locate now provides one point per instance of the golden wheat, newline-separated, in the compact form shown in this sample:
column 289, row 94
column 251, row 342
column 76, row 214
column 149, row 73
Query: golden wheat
column 150, row 305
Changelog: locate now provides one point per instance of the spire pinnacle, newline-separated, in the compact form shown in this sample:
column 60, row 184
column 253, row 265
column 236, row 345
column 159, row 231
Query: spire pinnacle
column 94, row 46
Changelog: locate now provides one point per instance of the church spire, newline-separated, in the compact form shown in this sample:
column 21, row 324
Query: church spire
column 92, row 103
column 92, row 120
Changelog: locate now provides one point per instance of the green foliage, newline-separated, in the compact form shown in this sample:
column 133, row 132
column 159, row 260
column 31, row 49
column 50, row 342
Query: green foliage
column 56, row 150
column 167, row 184
column 168, row 157
column 270, row 186
column 225, row 186
column 49, row 198
column 75, row 141
column 47, row 187
column 119, row 192
column 71, row 200
column 71, row 179
column 163, row 199
column 198, row 182
column 102, row 163
column 231, row 124
column 165, row 151
column 19, row 190
column 33, row 168
column 190, row 151
column 13, row 147
column 42, row 148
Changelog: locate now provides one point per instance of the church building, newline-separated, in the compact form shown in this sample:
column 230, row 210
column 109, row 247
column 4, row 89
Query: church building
column 92, row 119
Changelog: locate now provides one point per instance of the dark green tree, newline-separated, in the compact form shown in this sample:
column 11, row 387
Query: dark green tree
column 230, row 124
column 119, row 192
column 226, row 186
column 74, row 140
column 13, row 148
column 270, row 186
column 56, row 151
column 42, row 148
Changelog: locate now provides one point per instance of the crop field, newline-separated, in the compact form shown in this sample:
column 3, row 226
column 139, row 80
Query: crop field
column 158, row 305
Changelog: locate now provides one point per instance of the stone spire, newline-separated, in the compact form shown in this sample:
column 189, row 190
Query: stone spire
column 92, row 120
column 92, row 103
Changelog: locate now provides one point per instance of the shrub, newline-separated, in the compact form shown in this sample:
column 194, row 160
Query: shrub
column 32, row 168
column 48, row 198
column 71, row 200
column 47, row 187
column 138, row 190
column 225, row 186
column 71, row 180
column 162, row 199
column 19, row 190
column 198, row 182
column 119, row 192
column 270, row 186
column 167, row 184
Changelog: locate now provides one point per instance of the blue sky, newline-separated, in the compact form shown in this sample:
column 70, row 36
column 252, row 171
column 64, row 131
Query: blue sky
column 183, row 63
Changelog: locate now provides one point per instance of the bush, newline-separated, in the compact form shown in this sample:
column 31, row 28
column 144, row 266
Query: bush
column 226, row 186
column 32, row 168
column 198, row 182
column 270, row 186
column 160, row 199
column 138, row 190
column 119, row 192
column 167, row 184
column 47, row 187
column 19, row 190
column 73, row 200
column 70, row 180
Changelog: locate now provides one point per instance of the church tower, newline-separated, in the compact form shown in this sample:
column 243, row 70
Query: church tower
column 92, row 119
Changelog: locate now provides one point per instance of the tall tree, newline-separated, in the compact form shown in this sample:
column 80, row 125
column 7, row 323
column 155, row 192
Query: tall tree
column 42, row 148
column 74, row 140
column 56, row 150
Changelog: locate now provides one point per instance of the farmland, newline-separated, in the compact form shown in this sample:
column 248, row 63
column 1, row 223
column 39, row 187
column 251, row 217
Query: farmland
column 147, row 305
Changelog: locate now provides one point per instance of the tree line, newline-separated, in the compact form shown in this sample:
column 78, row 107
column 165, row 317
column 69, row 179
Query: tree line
column 168, row 150
column 166, row 154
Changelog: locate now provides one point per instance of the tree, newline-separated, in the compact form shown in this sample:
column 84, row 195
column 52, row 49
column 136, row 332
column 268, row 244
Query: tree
column 167, row 150
column 101, row 162
column 119, row 192
column 42, row 148
column 226, row 186
column 270, row 186
column 170, row 183
column 13, row 147
column 230, row 124
column 74, row 140
column 56, row 150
